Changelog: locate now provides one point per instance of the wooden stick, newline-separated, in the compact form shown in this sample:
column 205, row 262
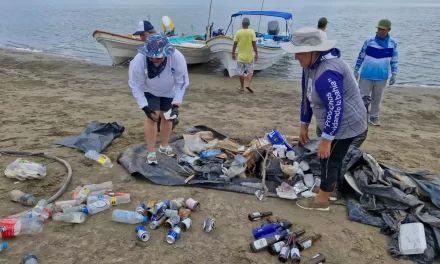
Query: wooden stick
column 263, row 180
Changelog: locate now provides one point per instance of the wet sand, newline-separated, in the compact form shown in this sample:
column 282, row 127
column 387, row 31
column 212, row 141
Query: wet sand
column 46, row 98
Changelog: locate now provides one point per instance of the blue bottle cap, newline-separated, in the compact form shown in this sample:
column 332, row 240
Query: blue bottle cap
column 5, row 245
column 145, row 219
column 86, row 210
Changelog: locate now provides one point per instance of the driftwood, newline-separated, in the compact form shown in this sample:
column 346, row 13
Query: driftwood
column 264, row 168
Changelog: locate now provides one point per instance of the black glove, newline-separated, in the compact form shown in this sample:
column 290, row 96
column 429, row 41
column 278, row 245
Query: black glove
column 175, row 110
column 150, row 114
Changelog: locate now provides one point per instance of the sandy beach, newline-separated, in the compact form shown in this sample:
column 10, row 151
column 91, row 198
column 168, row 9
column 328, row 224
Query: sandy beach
column 45, row 98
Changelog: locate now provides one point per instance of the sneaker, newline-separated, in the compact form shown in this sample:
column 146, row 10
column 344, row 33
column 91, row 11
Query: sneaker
column 151, row 158
column 374, row 120
column 167, row 150
column 312, row 204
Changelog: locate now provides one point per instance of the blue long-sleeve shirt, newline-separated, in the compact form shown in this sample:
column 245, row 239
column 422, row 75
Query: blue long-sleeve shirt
column 378, row 56
column 330, row 92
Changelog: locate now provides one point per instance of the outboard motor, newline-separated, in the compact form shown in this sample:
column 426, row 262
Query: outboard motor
column 273, row 27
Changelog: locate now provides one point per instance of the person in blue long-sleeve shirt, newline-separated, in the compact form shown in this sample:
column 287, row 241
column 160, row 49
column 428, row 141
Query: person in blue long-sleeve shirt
column 330, row 93
column 377, row 55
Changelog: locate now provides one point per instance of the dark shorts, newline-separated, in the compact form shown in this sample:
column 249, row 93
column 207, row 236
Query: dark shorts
column 158, row 103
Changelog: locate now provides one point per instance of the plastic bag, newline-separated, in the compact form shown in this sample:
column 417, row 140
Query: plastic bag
column 22, row 170
column 193, row 143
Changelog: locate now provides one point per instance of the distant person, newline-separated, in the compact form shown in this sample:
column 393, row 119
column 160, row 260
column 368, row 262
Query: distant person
column 377, row 55
column 246, row 41
column 144, row 29
column 322, row 26
column 329, row 92
column 158, row 77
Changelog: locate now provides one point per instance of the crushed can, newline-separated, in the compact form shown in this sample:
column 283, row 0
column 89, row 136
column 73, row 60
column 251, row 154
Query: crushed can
column 173, row 235
column 209, row 224
column 193, row 204
column 142, row 233
column 140, row 208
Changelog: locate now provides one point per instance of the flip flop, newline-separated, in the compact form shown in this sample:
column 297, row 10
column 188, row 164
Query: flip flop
column 249, row 89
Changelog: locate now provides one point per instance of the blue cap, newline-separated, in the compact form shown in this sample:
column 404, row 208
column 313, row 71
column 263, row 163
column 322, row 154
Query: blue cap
column 5, row 245
column 86, row 210
column 145, row 219
column 143, row 26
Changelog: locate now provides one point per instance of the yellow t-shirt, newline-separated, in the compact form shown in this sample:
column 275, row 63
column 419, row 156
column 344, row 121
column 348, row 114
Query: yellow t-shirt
column 244, row 38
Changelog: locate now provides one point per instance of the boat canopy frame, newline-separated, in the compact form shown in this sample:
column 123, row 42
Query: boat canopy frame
column 286, row 16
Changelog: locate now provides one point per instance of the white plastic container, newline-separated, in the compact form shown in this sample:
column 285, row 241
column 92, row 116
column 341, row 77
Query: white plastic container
column 412, row 239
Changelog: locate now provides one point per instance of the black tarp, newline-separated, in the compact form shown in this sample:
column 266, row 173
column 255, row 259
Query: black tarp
column 96, row 136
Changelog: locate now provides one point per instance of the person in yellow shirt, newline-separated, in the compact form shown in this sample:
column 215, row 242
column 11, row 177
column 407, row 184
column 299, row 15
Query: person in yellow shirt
column 246, row 41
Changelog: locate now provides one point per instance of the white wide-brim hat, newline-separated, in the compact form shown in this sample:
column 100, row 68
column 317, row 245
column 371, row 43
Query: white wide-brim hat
column 307, row 40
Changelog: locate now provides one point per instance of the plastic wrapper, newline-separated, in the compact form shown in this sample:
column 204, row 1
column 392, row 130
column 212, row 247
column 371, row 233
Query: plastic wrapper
column 300, row 187
column 22, row 170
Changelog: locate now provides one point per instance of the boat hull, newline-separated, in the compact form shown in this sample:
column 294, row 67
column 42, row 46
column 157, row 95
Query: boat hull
column 221, row 48
column 122, row 49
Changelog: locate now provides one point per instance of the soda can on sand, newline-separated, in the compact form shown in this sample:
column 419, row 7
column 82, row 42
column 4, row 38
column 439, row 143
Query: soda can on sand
column 158, row 223
column 173, row 235
column 209, row 224
column 193, row 204
column 184, row 213
column 140, row 208
column 142, row 233
column 172, row 221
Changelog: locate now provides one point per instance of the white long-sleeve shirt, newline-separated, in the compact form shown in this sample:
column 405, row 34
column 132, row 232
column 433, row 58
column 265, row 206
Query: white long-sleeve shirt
column 171, row 83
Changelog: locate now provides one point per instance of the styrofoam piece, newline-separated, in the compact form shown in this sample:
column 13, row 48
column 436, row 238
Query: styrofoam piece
column 304, row 166
column 412, row 239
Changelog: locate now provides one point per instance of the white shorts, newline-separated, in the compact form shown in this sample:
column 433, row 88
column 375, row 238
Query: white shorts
column 245, row 68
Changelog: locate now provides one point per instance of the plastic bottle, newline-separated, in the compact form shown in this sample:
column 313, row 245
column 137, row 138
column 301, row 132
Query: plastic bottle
column 116, row 200
column 38, row 209
column 76, row 191
column 64, row 204
column 92, row 199
column 270, row 228
column 100, row 158
column 107, row 186
column 23, row 198
column 15, row 226
column 112, row 194
column 128, row 217
column 319, row 258
column 47, row 212
column 78, row 208
column 263, row 243
column 30, row 259
column 307, row 242
column 97, row 207
column 97, row 193
column 258, row 215
column 82, row 195
column 72, row 217
column 3, row 246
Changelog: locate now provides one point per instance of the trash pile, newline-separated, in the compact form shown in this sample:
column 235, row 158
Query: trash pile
column 276, row 237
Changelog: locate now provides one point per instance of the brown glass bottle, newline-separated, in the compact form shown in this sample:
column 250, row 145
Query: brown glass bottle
column 307, row 242
column 258, row 215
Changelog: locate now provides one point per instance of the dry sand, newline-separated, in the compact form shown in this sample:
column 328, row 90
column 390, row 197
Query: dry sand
column 46, row 98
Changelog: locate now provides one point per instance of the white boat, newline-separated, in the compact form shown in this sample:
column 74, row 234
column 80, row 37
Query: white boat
column 269, row 51
column 123, row 48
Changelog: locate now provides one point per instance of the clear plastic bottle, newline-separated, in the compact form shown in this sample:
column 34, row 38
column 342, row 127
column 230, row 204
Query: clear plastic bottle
column 64, row 204
column 100, row 158
column 120, row 200
column 3, row 246
column 23, row 198
column 38, row 209
column 82, row 195
column 97, row 207
column 92, row 199
column 78, row 208
column 107, row 186
column 15, row 226
column 128, row 217
column 72, row 217
column 47, row 212
column 97, row 193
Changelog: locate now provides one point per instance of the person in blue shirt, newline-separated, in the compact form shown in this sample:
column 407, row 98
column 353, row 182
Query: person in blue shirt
column 331, row 94
column 377, row 55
